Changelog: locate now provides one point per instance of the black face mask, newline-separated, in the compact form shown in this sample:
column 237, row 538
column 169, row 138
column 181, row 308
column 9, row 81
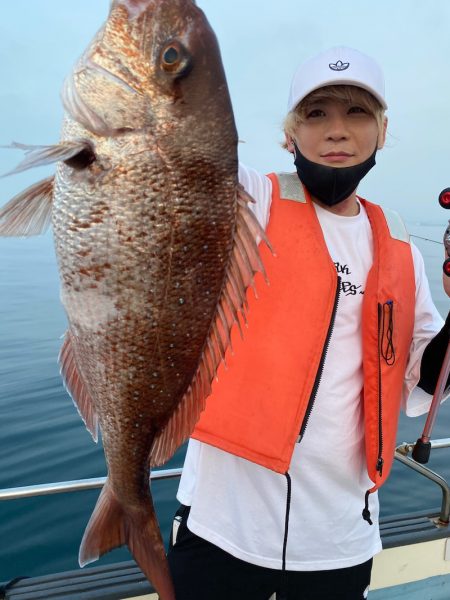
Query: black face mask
column 330, row 185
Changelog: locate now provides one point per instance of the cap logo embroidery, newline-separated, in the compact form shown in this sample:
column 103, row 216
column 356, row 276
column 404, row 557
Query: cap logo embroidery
column 339, row 66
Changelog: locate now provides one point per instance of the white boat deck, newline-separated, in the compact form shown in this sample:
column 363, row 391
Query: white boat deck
column 416, row 572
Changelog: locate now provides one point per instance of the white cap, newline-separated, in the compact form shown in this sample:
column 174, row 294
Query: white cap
column 337, row 66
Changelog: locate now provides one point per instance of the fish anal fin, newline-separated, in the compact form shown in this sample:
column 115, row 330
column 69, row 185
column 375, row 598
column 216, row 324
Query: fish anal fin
column 111, row 526
column 244, row 262
column 28, row 213
column 76, row 387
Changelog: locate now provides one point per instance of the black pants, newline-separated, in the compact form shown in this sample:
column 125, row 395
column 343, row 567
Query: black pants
column 202, row 571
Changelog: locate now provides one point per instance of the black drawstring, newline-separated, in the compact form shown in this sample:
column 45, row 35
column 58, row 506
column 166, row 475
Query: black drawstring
column 366, row 511
column 282, row 594
column 387, row 345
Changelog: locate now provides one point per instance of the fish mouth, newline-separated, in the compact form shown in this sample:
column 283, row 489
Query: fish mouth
column 136, row 8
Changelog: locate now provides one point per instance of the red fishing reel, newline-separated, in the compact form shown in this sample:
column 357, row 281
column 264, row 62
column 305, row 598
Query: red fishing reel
column 444, row 198
column 446, row 267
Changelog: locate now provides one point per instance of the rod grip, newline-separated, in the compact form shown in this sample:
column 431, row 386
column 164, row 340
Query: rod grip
column 421, row 451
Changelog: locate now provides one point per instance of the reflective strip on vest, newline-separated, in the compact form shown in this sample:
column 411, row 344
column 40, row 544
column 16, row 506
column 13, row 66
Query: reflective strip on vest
column 290, row 188
column 396, row 226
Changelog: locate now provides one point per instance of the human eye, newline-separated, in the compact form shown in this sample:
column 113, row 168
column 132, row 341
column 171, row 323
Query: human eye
column 314, row 113
column 356, row 110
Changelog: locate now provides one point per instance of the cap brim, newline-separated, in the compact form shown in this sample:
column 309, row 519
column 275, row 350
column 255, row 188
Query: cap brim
column 347, row 81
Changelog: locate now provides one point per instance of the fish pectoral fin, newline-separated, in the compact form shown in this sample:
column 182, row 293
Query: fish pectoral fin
column 244, row 263
column 76, row 387
column 38, row 156
column 30, row 212
column 111, row 526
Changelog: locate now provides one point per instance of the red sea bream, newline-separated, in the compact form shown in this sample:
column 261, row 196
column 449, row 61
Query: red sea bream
column 155, row 245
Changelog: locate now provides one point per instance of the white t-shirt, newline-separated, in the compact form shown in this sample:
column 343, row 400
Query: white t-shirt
column 240, row 506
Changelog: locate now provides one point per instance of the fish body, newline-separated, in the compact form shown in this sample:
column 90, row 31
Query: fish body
column 155, row 246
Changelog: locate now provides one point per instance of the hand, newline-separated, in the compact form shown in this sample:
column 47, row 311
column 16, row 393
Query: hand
column 446, row 278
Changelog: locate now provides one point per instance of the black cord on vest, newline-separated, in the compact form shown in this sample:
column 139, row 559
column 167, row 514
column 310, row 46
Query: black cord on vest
column 366, row 511
column 387, row 333
column 282, row 595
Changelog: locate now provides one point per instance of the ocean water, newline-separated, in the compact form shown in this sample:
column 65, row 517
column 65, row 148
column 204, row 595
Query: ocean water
column 43, row 440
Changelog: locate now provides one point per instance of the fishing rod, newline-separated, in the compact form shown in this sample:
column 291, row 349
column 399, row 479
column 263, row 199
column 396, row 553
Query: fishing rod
column 422, row 448
column 419, row 237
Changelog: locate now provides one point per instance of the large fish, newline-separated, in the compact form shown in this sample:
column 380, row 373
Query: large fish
column 155, row 244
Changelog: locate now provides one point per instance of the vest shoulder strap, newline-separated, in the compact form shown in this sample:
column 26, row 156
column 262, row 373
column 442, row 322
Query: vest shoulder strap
column 290, row 187
column 396, row 226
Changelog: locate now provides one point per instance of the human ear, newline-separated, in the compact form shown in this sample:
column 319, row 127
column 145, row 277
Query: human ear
column 289, row 143
column 382, row 136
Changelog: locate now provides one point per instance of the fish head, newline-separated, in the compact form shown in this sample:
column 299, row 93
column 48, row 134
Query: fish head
column 154, row 65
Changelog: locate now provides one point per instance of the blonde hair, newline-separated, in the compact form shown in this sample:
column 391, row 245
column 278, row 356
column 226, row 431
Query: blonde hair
column 349, row 94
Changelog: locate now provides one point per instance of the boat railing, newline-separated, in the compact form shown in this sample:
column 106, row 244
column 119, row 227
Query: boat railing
column 402, row 455
column 78, row 485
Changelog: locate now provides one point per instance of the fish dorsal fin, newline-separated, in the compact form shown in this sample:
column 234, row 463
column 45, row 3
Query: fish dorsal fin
column 76, row 387
column 245, row 261
column 30, row 212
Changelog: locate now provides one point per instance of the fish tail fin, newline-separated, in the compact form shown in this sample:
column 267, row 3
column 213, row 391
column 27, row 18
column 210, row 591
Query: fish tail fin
column 105, row 530
column 111, row 526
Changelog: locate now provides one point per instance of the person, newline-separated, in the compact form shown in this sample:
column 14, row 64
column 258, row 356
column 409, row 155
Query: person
column 278, row 493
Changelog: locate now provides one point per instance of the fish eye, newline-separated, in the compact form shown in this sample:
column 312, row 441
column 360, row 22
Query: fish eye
column 174, row 58
column 171, row 55
column 82, row 160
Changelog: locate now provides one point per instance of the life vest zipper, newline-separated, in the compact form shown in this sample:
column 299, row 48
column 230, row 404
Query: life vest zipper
column 380, row 460
column 318, row 378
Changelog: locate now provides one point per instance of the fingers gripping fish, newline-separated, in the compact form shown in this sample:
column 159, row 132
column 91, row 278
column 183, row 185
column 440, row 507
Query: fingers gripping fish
column 155, row 244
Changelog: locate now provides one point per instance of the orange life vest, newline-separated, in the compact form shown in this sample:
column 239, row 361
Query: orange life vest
column 260, row 404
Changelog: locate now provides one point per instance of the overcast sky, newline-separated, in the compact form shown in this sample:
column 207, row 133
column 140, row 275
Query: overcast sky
column 262, row 42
